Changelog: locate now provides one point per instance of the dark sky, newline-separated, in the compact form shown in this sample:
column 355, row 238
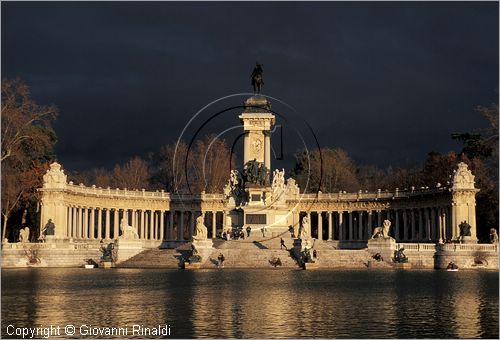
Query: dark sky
column 388, row 82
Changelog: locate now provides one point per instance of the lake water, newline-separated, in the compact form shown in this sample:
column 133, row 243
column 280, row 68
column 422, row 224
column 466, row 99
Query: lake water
column 256, row 303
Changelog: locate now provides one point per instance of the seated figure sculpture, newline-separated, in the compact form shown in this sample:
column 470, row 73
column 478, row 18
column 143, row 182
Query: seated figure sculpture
column 493, row 236
column 200, row 233
column 24, row 235
column 127, row 232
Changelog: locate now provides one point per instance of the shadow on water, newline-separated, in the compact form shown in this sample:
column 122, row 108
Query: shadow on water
column 258, row 303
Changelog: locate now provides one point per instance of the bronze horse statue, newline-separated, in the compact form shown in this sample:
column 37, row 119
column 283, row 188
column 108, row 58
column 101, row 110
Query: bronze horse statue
column 257, row 79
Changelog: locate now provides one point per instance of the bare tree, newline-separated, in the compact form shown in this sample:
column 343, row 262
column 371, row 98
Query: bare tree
column 132, row 175
column 27, row 143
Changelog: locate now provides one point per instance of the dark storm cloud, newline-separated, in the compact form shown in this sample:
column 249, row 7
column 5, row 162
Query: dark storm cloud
column 386, row 81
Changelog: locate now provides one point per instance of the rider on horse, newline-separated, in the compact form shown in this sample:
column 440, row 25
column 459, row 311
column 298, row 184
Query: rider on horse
column 257, row 80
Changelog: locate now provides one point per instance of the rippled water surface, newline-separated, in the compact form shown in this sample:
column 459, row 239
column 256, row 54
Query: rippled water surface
column 258, row 303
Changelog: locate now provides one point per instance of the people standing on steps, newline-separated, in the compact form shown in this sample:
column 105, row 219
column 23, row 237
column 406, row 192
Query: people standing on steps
column 282, row 244
column 248, row 231
column 220, row 261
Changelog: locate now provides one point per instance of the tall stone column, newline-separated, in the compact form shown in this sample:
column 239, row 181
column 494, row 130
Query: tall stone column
column 341, row 226
column 309, row 226
column 320, row 225
column 99, row 223
column 369, row 226
column 108, row 223
column 420, row 225
column 432, row 224
column 143, row 225
column 350, row 226
column 180, row 226
column 70, row 221
column 80, row 222
column 267, row 150
column 330, row 225
column 151, row 224
column 214, row 224
column 171, row 224
column 191, row 223
column 74, row 227
column 162, row 227
column 360, row 225
column 396, row 228
column 92, row 223
column 116, row 223
column 413, row 226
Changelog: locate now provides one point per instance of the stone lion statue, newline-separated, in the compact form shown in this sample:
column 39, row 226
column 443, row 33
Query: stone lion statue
column 200, row 233
column 24, row 235
column 382, row 231
column 128, row 232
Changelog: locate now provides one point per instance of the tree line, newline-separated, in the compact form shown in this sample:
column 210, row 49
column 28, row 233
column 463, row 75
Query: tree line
column 28, row 148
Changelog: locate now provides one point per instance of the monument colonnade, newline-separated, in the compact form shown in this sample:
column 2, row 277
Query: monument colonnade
column 419, row 215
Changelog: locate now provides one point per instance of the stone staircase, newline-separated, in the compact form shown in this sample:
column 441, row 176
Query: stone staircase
column 154, row 258
column 257, row 252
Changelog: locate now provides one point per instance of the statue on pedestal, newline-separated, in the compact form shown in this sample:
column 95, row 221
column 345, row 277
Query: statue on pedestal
column 304, row 227
column 257, row 79
column 127, row 232
column 382, row 232
column 200, row 233
column 493, row 236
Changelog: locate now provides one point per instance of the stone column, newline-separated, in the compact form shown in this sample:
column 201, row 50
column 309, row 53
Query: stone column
column 70, row 221
column 143, row 225
column 115, row 229
column 108, row 223
column 85, row 226
column 396, row 228
column 360, row 225
column 330, row 225
column 151, row 224
column 99, row 223
column 369, row 226
column 420, row 225
column 267, row 150
column 341, row 226
column 180, row 226
column 350, row 226
column 320, row 225
column 171, row 224
column 432, row 224
column 413, row 226
column 162, row 227
column 92, row 224
column 191, row 223
column 214, row 224
column 79, row 223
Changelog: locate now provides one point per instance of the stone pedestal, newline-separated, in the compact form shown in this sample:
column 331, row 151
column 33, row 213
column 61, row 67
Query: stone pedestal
column 467, row 240
column 127, row 248
column 383, row 246
column 204, row 249
column 311, row 265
